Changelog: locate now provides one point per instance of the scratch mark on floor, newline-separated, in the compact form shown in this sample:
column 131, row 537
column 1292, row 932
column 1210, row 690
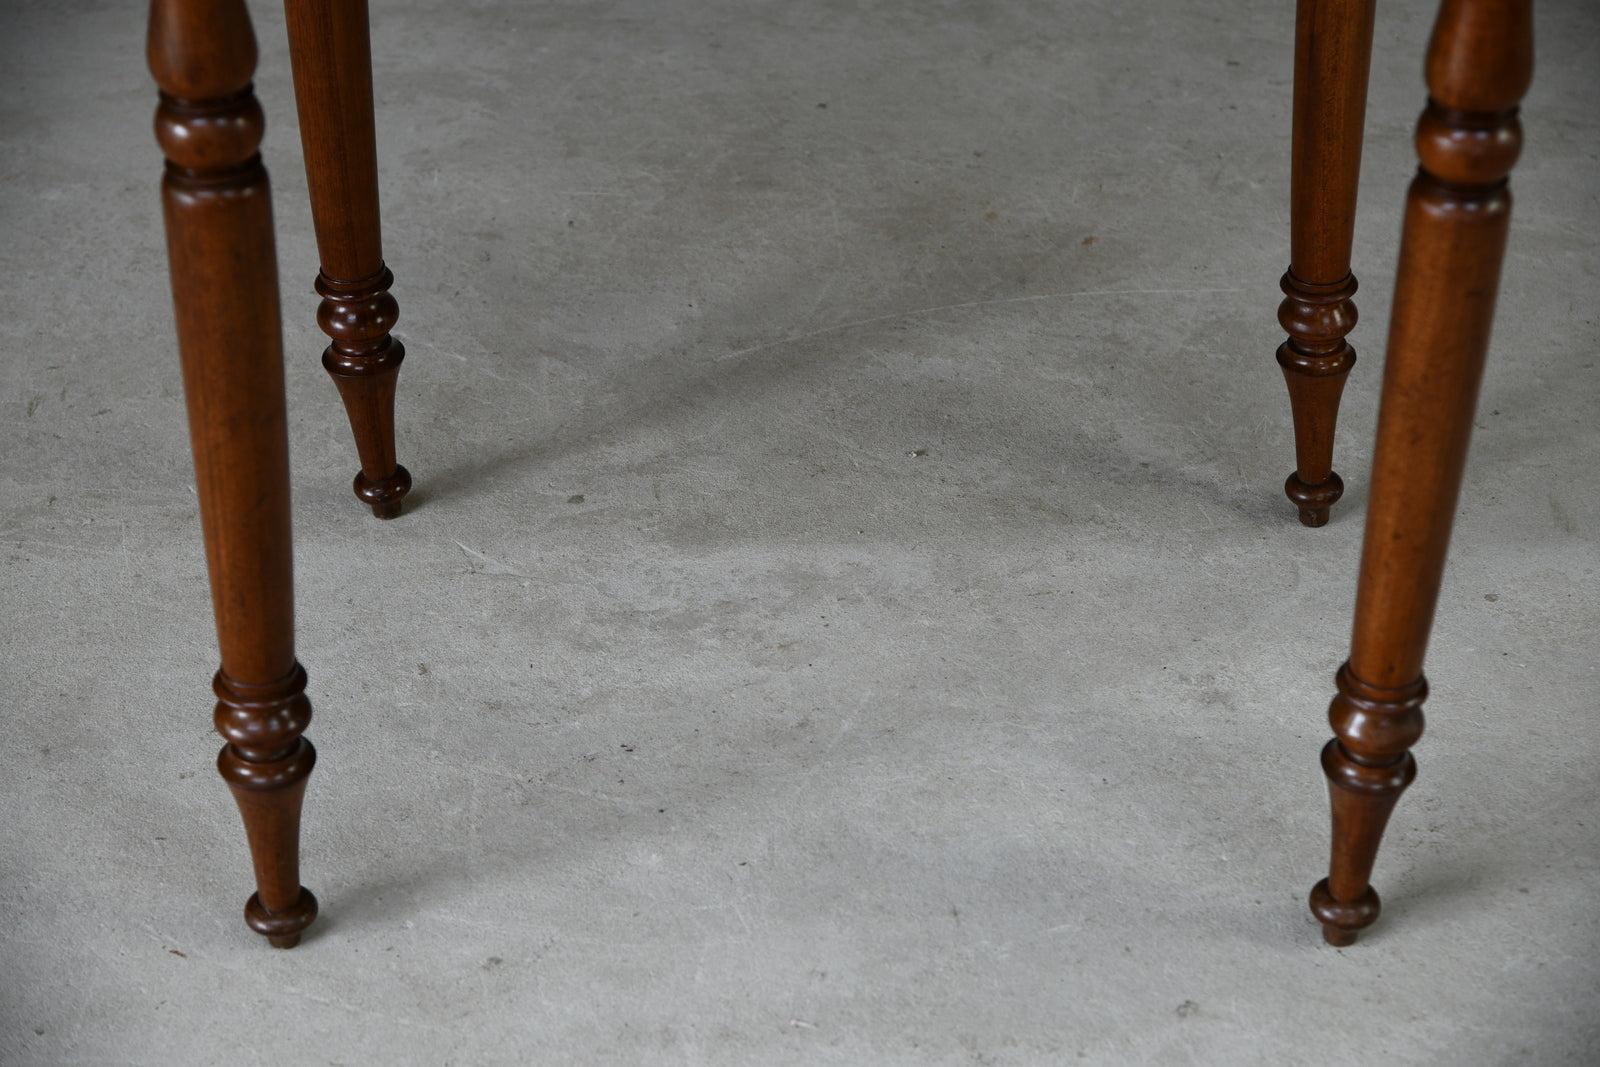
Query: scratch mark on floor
column 483, row 564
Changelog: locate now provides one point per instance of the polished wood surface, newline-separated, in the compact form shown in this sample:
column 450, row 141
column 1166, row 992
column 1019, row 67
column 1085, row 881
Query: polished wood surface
column 218, row 213
column 1332, row 53
column 1480, row 62
column 332, row 62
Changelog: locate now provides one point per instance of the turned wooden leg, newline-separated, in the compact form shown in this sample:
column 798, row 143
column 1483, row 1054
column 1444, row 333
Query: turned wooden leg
column 225, row 291
column 1333, row 48
column 1480, row 61
column 329, row 49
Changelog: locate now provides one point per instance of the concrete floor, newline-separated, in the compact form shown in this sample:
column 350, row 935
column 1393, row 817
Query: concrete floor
column 847, row 614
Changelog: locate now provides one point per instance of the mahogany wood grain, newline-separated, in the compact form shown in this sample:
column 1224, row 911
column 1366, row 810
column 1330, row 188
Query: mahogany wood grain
column 1333, row 50
column 332, row 61
column 1480, row 62
column 218, row 215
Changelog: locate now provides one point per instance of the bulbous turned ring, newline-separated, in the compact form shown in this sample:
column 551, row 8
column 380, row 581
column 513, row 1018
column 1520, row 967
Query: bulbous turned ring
column 1314, row 500
column 385, row 494
column 210, row 135
column 281, row 928
column 1343, row 919
column 1317, row 314
column 1374, row 723
column 1466, row 149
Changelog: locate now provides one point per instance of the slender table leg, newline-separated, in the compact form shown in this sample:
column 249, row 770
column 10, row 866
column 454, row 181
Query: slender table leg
column 1480, row 62
column 1333, row 49
column 225, row 290
column 332, row 59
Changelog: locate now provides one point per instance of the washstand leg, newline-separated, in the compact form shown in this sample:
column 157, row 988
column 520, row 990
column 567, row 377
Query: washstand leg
column 1480, row 61
column 1333, row 50
column 332, row 60
column 218, row 212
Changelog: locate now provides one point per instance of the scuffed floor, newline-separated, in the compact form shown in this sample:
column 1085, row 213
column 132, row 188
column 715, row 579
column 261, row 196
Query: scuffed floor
column 848, row 613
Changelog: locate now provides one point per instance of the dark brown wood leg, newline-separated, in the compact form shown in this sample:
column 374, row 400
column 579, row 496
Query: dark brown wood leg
column 1479, row 65
column 225, row 291
column 328, row 45
column 1333, row 49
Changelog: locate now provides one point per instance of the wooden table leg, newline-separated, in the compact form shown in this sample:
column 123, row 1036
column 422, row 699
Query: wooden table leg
column 1333, row 49
column 218, row 213
column 332, row 59
column 1480, row 62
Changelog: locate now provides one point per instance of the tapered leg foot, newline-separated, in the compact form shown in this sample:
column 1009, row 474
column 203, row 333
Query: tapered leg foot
column 266, row 764
column 1368, row 764
column 364, row 362
column 1315, row 361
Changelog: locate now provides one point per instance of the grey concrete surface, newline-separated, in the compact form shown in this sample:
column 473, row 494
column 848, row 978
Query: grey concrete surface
column 847, row 614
